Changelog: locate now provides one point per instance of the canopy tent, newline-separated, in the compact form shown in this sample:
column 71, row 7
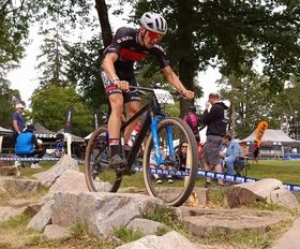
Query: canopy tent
column 273, row 137
column 42, row 132
column 74, row 137
column 4, row 131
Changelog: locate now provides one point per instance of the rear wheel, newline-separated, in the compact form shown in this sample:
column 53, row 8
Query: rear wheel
column 99, row 176
column 177, row 182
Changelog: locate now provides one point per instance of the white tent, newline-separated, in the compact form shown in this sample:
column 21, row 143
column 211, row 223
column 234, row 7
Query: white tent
column 273, row 137
column 5, row 131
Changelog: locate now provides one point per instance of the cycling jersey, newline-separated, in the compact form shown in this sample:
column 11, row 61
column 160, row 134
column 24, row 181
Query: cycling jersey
column 125, row 44
column 193, row 121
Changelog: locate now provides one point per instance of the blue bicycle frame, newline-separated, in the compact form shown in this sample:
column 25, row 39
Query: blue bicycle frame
column 154, row 128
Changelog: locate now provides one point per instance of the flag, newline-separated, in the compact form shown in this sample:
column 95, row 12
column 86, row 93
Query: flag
column 68, row 120
column 260, row 131
column 96, row 118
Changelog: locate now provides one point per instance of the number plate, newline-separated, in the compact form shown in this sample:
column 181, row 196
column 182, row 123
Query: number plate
column 163, row 96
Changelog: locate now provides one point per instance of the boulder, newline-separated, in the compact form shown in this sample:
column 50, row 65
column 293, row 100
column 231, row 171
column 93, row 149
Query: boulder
column 290, row 239
column 47, row 178
column 171, row 240
column 266, row 190
column 147, row 227
column 101, row 212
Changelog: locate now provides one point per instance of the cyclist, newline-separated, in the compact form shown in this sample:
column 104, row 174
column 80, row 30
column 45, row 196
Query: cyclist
column 128, row 46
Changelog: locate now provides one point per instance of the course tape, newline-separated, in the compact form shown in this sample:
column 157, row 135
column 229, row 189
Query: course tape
column 33, row 159
column 28, row 159
column 201, row 173
column 213, row 175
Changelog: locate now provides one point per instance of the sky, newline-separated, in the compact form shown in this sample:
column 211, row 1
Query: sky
column 25, row 78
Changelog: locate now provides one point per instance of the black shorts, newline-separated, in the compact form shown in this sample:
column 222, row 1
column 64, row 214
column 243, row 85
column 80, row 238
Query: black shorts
column 110, row 88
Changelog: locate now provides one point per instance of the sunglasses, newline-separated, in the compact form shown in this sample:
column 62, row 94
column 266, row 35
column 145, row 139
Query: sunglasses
column 154, row 36
column 184, row 146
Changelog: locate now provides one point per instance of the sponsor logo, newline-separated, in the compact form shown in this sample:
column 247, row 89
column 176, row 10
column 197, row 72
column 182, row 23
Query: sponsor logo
column 124, row 38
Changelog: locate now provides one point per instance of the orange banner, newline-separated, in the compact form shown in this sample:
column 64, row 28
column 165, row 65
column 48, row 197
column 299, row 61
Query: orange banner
column 260, row 131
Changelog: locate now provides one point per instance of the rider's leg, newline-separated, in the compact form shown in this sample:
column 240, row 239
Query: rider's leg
column 131, row 108
column 114, row 123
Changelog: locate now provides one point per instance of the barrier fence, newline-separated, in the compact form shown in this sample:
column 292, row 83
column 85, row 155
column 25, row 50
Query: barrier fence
column 201, row 173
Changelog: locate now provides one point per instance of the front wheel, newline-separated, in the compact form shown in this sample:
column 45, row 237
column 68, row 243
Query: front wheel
column 99, row 176
column 173, row 181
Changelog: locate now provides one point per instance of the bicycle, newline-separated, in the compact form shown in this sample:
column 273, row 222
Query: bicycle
column 156, row 129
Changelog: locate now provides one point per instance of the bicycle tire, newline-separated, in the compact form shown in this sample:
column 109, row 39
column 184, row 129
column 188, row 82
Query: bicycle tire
column 99, row 176
column 181, row 131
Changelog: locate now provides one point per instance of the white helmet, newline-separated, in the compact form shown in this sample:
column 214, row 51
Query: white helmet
column 154, row 22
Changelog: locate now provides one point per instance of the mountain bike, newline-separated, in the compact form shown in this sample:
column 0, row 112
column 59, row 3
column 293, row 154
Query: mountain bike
column 159, row 135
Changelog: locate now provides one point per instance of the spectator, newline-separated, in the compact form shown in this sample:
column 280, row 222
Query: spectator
column 256, row 151
column 214, row 118
column 193, row 121
column 232, row 154
column 182, row 154
column 27, row 145
column 153, row 165
column 18, row 124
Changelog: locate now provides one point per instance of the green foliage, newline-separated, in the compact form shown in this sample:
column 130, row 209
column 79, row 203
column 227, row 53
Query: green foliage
column 231, row 35
column 14, row 29
column 50, row 105
column 7, row 106
column 83, row 60
column 127, row 234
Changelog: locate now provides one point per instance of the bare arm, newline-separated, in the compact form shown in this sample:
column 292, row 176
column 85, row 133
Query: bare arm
column 109, row 69
column 175, row 82
column 108, row 65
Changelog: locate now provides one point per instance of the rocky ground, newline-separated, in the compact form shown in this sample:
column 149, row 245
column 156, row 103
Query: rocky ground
column 48, row 211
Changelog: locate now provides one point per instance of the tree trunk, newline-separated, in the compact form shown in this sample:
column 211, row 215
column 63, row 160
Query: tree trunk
column 187, row 63
column 101, row 8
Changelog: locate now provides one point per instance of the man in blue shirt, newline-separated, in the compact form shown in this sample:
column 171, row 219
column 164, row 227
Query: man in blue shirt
column 231, row 154
column 18, row 124
column 27, row 145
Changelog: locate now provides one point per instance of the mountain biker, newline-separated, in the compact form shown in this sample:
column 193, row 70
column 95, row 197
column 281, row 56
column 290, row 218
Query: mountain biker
column 128, row 46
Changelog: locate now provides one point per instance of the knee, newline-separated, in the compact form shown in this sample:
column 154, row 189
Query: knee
column 116, row 104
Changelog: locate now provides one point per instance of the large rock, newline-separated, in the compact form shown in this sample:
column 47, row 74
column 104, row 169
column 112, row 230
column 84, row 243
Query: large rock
column 147, row 227
column 56, row 232
column 266, row 190
column 171, row 240
column 201, row 221
column 14, row 185
column 69, row 181
column 290, row 240
column 42, row 218
column 100, row 211
column 47, row 178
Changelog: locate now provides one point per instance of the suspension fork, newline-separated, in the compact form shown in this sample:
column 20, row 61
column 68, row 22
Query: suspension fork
column 154, row 130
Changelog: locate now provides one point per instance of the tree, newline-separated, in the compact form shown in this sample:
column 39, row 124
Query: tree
column 7, row 104
column 249, row 103
column 286, row 107
column 14, row 25
column 82, row 63
column 49, row 106
column 52, row 66
column 231, row 35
